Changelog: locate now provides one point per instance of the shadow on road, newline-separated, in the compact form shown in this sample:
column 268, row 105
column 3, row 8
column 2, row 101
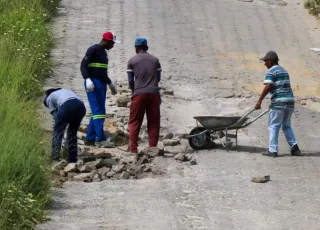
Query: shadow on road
column 307, row 154
column 244, row 148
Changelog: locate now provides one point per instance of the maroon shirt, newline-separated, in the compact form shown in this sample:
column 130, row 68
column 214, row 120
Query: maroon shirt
column 144, row 67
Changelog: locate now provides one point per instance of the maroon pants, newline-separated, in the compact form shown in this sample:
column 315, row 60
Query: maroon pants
column 141, row 104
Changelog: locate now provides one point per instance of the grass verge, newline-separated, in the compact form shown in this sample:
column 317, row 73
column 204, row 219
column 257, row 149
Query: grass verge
column 313, row 7
column 25, row 43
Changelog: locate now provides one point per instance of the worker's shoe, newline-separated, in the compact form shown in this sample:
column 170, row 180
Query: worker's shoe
column 270, row 154
column 89, row 143
column 104, row 144
column 295, row 151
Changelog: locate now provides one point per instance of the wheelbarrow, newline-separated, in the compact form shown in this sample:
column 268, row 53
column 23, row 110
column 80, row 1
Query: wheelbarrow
column 217, row 127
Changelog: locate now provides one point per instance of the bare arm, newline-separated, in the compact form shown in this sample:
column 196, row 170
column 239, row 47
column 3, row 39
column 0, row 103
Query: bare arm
column 264, row 93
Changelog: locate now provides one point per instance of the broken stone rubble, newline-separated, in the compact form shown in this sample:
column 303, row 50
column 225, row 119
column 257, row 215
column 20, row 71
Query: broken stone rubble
column 98, row 164
column 118, row 165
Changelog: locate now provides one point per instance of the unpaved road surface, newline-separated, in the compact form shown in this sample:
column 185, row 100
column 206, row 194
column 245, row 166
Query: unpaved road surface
column 209, row 51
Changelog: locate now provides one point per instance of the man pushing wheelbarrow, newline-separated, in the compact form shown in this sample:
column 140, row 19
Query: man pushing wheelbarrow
column 277, row 83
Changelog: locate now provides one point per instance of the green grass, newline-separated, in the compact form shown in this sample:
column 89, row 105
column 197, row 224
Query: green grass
column 25, row 43
column 313, row 7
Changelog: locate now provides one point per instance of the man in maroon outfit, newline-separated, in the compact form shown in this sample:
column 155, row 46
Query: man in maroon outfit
column 144, row 74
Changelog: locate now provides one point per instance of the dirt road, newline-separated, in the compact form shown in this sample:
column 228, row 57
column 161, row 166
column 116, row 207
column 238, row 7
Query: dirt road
column 209, row 52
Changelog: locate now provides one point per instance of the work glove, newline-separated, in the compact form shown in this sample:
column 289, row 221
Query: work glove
column 113, row 89
column 89, row 85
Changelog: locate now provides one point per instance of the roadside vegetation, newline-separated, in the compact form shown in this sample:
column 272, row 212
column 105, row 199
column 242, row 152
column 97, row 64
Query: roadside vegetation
column 313, row 7
column 25, row 43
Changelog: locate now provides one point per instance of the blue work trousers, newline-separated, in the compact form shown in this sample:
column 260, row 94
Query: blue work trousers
column 69, row 114
column 280, row 118
column 97, row 101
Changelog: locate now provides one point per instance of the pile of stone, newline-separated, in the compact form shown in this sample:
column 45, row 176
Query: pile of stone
column 95, row 165
column 98, row 164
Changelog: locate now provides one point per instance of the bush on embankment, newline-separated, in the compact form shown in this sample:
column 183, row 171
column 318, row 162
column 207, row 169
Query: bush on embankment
column 25, row 43
column 313, row 7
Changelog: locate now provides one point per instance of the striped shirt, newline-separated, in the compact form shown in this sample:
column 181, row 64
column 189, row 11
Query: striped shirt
column 281, row 92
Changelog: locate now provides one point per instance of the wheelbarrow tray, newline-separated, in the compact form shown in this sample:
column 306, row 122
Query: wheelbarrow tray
column 220, row 122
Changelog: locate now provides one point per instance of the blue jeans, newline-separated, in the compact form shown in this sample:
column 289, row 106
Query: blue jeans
column 280, row 118
column 97, row 101
column 69, row 114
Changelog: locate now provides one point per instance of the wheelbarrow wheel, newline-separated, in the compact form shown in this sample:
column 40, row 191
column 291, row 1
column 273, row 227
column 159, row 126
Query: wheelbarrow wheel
column 201, row 141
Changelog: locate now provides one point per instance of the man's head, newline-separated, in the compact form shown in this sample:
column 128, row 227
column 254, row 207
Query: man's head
column 141, row 44
column 108, row 40
column 270, row 59
column 47, row 93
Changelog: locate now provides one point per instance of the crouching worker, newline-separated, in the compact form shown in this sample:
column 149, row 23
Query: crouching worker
column 67, row 109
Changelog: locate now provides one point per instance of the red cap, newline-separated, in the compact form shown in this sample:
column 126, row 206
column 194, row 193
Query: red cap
column 110, row 36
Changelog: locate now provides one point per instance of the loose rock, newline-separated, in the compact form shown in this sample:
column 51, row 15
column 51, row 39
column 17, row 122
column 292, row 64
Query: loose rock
column 87, row 159
column 83, row 128
column 96, row 164
column 63, row 173
column 171, row 142
column 110, row 162
column 147, row 168
column 129, row 159
column 180, row 157
column 168, row 92
column 169, row 136
column 118, row 168
column 56, row 167
column 81, row 136
column 152, row 152
column 110, row 115
column 86, row 152
column 71, row 175
column 80, row 163
column 80, row 142
column 188, row 158
column 122, row 101
column 111, row 174
column 103, row 172
column 193, row 162
column 125, row 175
column 143, row 160
column 96, row 178
column 71, row 167
column 263, row 179
column 82, row 177
column 102, row 153
column 86, row 169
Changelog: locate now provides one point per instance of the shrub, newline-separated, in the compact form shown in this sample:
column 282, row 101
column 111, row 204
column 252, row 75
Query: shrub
column 25, row 44
column 313, row 7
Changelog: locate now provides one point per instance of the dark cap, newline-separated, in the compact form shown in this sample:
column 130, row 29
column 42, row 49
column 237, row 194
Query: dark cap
column 47, row 93
column 271, row 55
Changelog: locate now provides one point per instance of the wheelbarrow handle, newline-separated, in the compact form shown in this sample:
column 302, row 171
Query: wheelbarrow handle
column 256, row 118
column 250, row 122
column 244, row 117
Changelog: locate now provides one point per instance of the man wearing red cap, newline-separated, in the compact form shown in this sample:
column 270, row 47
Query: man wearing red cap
column 94, row 69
